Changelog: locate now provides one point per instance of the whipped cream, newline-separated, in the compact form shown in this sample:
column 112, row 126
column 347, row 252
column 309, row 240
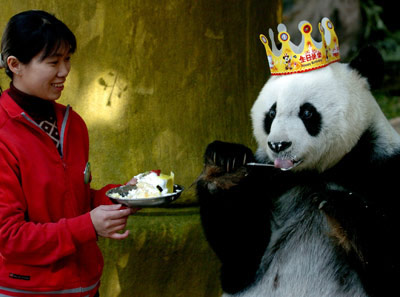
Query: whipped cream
column 149, row 185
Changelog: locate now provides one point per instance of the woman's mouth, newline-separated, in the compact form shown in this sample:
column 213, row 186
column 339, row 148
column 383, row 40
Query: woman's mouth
column 58, row 86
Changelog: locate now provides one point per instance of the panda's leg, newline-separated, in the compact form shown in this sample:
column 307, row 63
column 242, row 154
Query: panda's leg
column 234, row 214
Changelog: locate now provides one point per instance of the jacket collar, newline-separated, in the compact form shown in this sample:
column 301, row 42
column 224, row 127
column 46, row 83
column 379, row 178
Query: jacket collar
column 14, row 110
column 9, row 105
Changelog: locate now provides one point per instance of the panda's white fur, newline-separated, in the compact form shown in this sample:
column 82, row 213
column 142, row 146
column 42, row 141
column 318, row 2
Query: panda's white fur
column 343, row 98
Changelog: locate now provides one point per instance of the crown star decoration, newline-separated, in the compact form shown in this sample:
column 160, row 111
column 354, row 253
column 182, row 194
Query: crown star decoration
column 308, row 55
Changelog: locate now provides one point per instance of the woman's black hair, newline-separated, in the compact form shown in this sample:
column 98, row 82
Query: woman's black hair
column 30, row 32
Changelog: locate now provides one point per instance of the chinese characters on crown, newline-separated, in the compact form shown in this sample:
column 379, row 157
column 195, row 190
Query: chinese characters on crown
column 308, row 55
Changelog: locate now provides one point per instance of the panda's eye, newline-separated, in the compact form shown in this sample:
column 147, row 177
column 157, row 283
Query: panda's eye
column 311, row 118
column 269, row 118
column 306, row 114
column 272, row 113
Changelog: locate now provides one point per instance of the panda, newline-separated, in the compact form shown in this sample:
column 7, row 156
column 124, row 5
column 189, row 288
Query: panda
column 323, row 220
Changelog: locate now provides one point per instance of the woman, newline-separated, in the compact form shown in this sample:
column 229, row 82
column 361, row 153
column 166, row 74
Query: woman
column 49, row 216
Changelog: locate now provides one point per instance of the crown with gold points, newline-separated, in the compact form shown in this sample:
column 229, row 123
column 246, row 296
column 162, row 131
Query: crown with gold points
column 308, row 55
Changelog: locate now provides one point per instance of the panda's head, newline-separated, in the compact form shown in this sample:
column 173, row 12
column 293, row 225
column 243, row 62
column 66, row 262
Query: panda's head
column 312, row 120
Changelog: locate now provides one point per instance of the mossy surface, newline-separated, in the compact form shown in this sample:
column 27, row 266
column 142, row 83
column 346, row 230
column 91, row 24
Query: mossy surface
column 156, row 81
column 165, row 255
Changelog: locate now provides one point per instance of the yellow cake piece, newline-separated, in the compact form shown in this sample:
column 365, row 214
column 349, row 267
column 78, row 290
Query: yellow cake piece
column 170, row 181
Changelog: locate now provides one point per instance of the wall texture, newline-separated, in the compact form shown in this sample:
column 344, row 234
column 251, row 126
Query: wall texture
column 155, row 82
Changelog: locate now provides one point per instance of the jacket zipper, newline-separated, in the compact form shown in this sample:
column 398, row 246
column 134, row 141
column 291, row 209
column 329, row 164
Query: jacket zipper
column 63, row 126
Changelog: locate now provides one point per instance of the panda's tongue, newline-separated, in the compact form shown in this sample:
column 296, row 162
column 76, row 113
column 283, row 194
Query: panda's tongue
column 283, row 163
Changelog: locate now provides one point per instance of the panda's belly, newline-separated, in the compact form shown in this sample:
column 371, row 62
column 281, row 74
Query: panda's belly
column 307, row 269
column 302, row 261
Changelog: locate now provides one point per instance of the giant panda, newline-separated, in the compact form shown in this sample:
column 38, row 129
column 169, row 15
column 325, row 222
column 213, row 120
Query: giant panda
column 324, row 220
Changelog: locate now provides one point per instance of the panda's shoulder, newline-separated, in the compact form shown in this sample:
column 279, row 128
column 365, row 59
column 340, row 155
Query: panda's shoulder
column 388, row 167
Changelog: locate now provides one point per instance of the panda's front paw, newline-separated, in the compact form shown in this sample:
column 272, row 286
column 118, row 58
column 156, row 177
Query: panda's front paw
column 227, row 156
column 224, row 165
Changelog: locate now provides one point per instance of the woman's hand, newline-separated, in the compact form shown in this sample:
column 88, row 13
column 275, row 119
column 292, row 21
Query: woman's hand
column 109, row 219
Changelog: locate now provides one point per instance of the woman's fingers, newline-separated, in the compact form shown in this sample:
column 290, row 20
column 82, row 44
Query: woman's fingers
column 119, row 236
column 114, row 211
column 109, row 220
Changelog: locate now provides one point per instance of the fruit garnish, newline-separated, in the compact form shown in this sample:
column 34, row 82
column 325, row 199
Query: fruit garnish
column 156, row 171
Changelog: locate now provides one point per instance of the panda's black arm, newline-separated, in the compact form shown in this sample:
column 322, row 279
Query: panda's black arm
column 237, row 232
column 367, row 233
column 234, row 214
column 368, row 217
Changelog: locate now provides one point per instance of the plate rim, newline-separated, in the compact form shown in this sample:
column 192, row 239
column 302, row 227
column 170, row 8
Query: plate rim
column 154, row 201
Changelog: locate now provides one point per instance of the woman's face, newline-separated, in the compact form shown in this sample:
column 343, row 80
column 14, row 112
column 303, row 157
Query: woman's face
column 44, row 78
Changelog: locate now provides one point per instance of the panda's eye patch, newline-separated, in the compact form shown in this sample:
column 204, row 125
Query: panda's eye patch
column 269, row 117
column 311, row 118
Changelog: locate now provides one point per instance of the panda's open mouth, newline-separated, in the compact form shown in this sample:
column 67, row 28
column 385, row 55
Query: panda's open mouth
column 285, row 164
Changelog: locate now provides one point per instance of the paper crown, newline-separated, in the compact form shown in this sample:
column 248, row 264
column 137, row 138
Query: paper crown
column 308, row 55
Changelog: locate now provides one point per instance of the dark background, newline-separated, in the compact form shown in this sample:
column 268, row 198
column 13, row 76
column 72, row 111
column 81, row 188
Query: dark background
column 357, row 24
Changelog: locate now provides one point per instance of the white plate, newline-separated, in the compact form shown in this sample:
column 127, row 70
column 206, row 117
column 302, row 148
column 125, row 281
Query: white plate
column 144, row 202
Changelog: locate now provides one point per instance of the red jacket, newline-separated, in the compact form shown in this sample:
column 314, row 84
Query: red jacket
column 47, row 239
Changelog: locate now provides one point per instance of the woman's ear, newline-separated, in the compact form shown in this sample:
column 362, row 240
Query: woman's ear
column 14, row 64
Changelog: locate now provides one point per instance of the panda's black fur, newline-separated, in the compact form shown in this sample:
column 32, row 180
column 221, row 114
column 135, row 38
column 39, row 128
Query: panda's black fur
column 304, row 233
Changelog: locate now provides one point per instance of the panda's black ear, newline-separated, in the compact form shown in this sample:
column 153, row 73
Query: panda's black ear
column 369, row 63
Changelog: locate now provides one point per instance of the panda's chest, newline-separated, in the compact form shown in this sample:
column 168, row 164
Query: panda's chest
column 301, row 259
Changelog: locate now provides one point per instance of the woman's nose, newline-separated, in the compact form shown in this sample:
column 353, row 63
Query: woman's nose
column 64, row 69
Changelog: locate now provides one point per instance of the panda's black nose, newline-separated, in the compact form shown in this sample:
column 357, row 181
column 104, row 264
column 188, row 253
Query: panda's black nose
column 279, row 146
